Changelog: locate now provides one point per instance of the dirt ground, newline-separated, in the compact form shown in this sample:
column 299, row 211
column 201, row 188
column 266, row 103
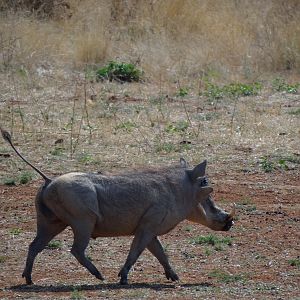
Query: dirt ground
column 259, row 263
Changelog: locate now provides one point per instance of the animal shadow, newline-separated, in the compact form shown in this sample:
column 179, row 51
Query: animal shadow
column 106, row 286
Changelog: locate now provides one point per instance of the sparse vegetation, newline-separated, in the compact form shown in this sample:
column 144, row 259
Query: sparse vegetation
column 9, row 181
column 23, row 178
column 55, row 244
column 295, row 112
column 279, row 85
column 182, row 92
column 295, row 262
column 127, row 126
column 177, row 127
column 227, row 277
column 212, row 240
column 77, row 295
column 267, row 165
column 15, row 231
column 232, row 90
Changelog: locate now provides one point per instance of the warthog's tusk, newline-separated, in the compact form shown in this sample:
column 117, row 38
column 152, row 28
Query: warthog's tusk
column 232, row 213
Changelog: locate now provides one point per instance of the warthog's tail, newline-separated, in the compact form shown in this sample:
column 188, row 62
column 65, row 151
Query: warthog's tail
column 7, row 137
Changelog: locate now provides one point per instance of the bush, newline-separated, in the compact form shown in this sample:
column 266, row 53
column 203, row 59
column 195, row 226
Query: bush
column 122, row 72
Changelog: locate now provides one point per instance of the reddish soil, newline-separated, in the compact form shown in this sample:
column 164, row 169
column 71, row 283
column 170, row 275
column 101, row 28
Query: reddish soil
column 257, row 265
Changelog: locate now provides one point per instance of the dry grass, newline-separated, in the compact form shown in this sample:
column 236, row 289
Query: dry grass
column 170, row 39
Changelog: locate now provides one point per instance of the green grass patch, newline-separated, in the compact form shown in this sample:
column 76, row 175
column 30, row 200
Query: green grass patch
column 232, row 90
column 212, row 240
column 23, row 178
column 226, row 277
column 55, row 244
column 2, row 259
column 15, row 231
column 76, row 294
column 119, row 71
column 295, row 262
column 165, row 147
column 177, row 127
column 294, row 112
column 182, row 92
column 127, row 126
column 279, row 85
column 267, row 165
column 10, row 181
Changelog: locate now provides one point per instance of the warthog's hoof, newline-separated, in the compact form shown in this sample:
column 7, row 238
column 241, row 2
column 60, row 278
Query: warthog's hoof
column 99, row 276
column 123, row 281
column 170, row 274
column 123, row 275
column 28, row 279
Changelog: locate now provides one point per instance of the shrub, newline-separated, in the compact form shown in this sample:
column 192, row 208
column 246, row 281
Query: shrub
column 122, row 72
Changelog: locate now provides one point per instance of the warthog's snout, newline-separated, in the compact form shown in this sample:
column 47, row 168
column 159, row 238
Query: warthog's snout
column 229, row 222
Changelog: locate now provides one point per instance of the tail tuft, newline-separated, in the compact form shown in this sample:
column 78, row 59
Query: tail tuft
column 6, row 135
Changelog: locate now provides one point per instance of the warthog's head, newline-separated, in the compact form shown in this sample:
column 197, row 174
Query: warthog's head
column 206, row 211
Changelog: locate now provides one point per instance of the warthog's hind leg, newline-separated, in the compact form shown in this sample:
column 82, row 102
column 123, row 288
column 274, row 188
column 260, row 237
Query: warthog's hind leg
column 82, row 233
column 45, row 233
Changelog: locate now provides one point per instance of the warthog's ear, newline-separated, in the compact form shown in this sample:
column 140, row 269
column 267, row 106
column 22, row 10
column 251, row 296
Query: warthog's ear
column 183, row 163
column 198, row 171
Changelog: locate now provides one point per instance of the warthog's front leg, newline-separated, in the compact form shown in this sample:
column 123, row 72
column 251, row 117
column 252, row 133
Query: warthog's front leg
column 139, row 243
column 157, row 250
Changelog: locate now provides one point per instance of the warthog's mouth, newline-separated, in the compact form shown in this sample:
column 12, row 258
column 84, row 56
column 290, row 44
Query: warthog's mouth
column 229, row 222
column 228, row 225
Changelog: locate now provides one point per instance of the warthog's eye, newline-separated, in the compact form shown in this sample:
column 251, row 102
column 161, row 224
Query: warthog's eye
column 204, row 181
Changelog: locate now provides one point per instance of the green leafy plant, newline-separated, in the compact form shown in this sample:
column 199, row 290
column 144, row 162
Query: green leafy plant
column 211, row 239
column 119, row 71
column 280, row 85
column 183, row 91
column 214, row 92
column 267, row 165
column 127, row 126
column 15, row 231
column 242, row 89
column 180, row 126
column 9, row 181
column 25, row 177
column 54, row 244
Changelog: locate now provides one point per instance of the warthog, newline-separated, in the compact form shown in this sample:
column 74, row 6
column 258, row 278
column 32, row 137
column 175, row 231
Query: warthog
column 145, row 204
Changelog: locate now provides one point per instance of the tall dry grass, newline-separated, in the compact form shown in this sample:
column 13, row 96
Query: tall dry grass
column 169, row 39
